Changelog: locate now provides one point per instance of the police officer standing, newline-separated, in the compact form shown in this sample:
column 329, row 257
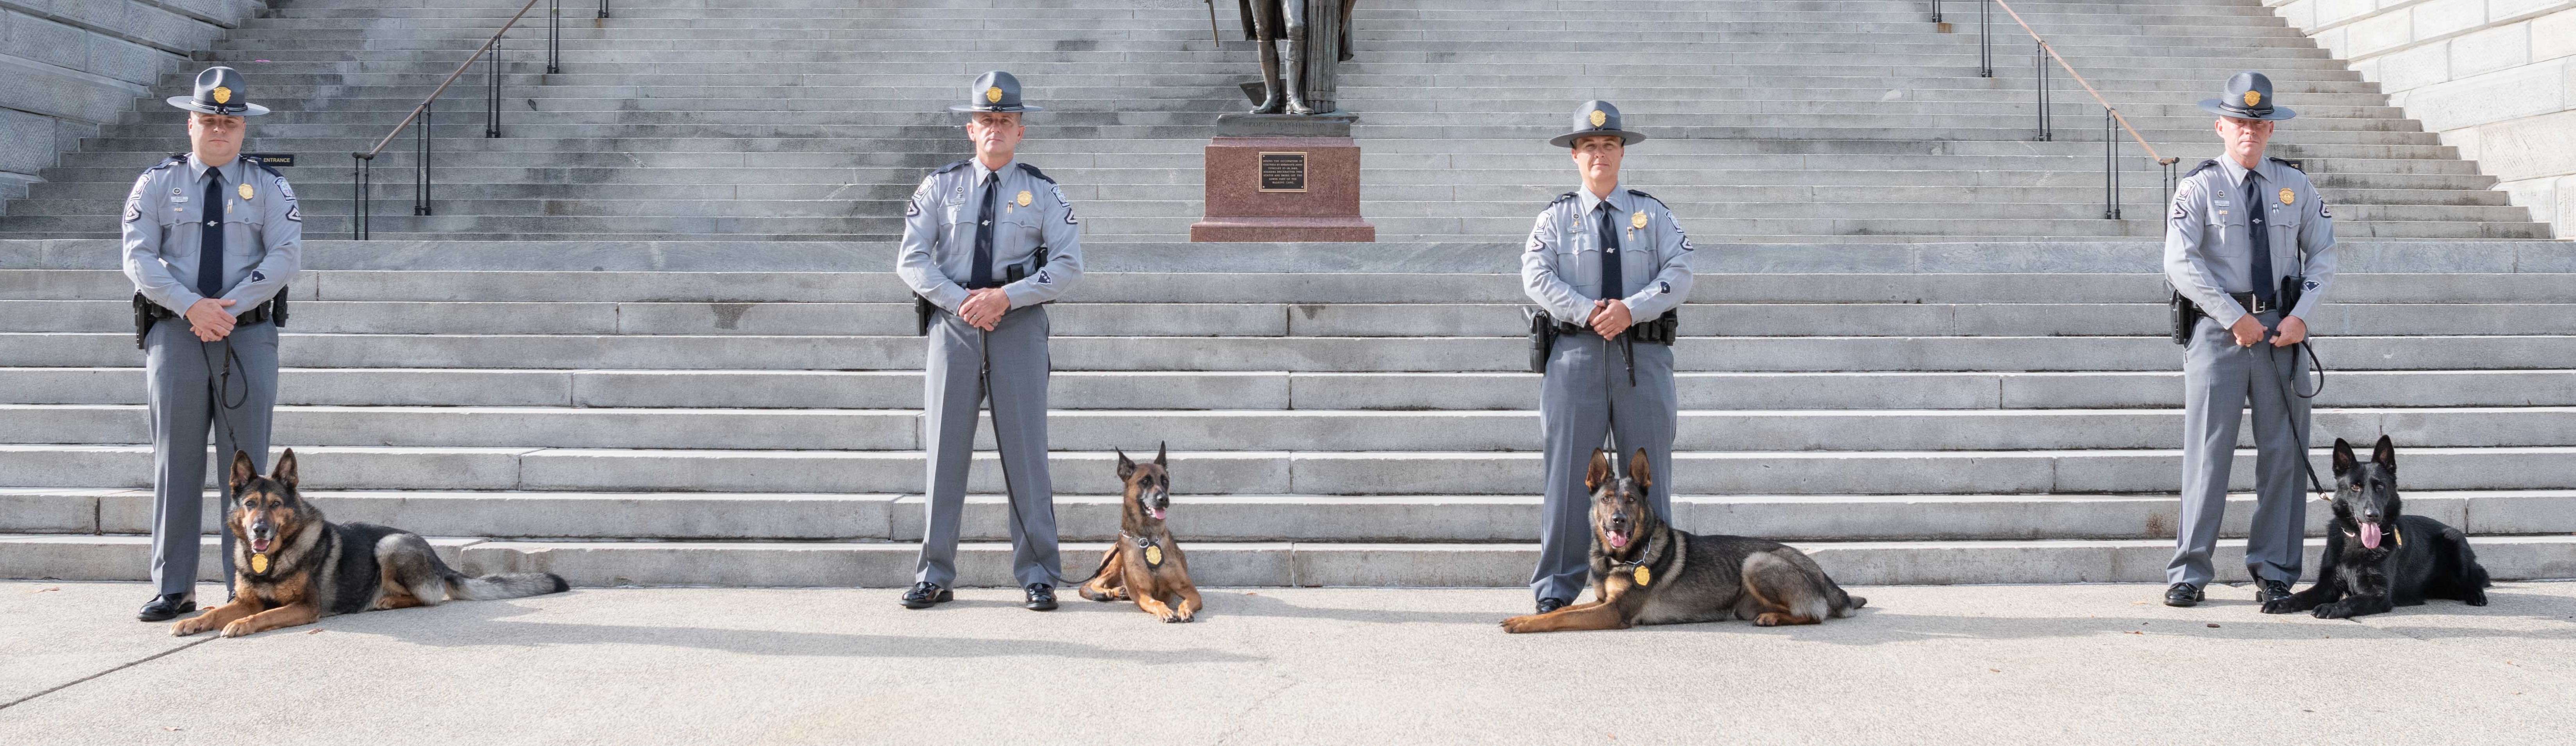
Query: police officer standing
column 210, row 239
column 1606, row 264
column 2252, row 245
column 986, row 240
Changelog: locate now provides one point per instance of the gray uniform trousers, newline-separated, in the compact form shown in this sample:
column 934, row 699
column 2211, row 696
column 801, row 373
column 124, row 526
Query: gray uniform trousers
column 1585, row 391
column 181, row 391
column 2218, row 380
column 1015, row 353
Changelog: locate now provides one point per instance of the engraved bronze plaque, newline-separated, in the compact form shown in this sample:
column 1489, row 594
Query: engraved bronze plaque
column 1283, row 172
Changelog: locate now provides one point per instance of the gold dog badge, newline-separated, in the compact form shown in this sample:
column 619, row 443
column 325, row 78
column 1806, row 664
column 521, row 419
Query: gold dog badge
column 1154, row 555
column 2253, row 98
column 1645, row 577
column 2285, row 195
column 245, row 191
column 259, row 563
column 1024, row 198
column 993, row 95
column 223, row 95
column 1598, row 116
column 1637, row 219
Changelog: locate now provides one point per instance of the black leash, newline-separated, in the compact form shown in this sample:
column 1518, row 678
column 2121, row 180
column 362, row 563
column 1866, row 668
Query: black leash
column 2282, row 385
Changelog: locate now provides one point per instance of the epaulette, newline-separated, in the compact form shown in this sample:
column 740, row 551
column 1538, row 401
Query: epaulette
column 953, row 166
column 1033, row 171
column 1647, row 196
column 263, row 165
column 1561, row 199
column 2294, row 165
column 173, row 160
column 2204, row 166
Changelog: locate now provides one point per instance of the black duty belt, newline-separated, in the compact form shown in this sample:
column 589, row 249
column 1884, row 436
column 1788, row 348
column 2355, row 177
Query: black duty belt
column 2253, row 304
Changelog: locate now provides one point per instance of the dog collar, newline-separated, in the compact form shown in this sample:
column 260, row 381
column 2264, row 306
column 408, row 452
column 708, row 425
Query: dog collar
column 1640, row 569
column 1153, row 551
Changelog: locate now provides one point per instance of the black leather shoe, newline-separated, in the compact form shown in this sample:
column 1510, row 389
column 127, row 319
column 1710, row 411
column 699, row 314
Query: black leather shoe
column 167, row 607
column 1546, row 605
column 2266, row 590
column 1041, row 597
column 926, row 594
column 2183, row 594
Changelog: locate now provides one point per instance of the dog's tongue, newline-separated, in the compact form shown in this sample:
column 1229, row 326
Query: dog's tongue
column 259, row 546
column 1157, row 513
column 1618, row 540
column 2370, row 536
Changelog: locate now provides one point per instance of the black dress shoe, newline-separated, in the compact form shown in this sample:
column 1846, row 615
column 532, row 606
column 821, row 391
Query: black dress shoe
column 1041, row 597
column 1546, row 605
column 2266, row 590
column 166, row 607
column 926, row 594
column 2183, row 594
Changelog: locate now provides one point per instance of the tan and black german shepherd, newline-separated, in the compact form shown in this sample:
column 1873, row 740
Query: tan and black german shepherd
column 293, row 567
column 1647, row 572
column 1146, row 565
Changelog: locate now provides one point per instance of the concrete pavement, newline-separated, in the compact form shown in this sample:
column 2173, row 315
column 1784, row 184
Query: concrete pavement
column 2085, row 663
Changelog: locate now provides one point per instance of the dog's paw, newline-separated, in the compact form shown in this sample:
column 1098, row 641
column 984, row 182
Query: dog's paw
column 238, row 628
column 2280, row 606
column 189, row 626
column 2476, row 598
column 2334, row 611
column 1521, row 624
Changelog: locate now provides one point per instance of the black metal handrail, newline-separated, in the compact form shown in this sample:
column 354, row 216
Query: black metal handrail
column 362, row 162
column 2112, row 120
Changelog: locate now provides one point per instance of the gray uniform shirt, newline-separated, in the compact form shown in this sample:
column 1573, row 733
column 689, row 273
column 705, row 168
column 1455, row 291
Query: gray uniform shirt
column 937, row 256
column 1561, row 269
column 164, row 224
column 2209, row 245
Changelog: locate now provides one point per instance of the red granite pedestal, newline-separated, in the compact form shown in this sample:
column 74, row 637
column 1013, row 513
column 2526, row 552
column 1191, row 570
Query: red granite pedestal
column 1283, row 178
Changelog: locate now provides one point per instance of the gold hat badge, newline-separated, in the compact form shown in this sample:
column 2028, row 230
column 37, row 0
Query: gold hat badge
column 1637, row 219
column 993, row 95
column 2285, row 195
column 1599, row 117
column 245, row 191
column 2253, row 98
column 223, row 95
column 1024, row 198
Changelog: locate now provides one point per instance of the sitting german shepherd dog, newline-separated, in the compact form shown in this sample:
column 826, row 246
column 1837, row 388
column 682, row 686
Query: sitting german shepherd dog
column 1647, row 572
column 2377, row 557
column 292, row 567
column 1146, row 565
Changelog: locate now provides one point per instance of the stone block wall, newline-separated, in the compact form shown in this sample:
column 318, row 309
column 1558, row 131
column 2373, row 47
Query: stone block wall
column 2497, row 79
column 67, row 66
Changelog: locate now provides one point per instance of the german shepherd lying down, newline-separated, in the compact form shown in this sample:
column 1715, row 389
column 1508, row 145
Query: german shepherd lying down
column 1146, row 565
column 293, row 567
column 2377, row 557
column 1647, row 572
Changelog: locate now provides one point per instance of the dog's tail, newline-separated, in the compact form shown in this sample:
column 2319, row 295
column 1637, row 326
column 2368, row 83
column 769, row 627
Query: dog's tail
column 496, row 586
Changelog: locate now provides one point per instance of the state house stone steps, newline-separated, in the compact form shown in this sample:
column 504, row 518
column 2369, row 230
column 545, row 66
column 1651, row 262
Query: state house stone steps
column 1884, row 404
column 805, row 120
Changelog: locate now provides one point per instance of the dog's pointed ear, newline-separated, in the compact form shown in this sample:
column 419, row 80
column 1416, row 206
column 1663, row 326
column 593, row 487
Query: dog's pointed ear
column 1600, row 471
column 1641, row 470
column 1126, row 468
column 2343, row 457
column 1159, row 454
column 2384, row 453
column 284, row 472
column 242, row 471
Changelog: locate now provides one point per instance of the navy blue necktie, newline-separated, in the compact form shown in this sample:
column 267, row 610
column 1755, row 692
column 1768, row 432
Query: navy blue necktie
column 2266, row 287
column 983, row 276
column 1612, row 285
column 210, row 247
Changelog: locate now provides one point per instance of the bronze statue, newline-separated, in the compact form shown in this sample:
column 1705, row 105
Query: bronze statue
column 1318, row 33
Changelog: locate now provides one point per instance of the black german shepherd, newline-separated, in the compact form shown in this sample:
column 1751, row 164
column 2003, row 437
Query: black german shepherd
column 1644, row 571
column 2377, row 557
column 292, row 567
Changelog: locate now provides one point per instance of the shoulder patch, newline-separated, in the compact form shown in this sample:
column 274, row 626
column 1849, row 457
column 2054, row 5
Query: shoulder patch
column 1033, row 171
column 2204, row 166
column 294, row 211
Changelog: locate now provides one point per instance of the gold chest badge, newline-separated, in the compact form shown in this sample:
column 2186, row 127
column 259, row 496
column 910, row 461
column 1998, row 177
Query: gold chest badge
column 1024, row 198
column 1645, row 577
column 244, row 191
column 259, row 563
column 1153, row 555
column 2285, row 195
column 1637, row 219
